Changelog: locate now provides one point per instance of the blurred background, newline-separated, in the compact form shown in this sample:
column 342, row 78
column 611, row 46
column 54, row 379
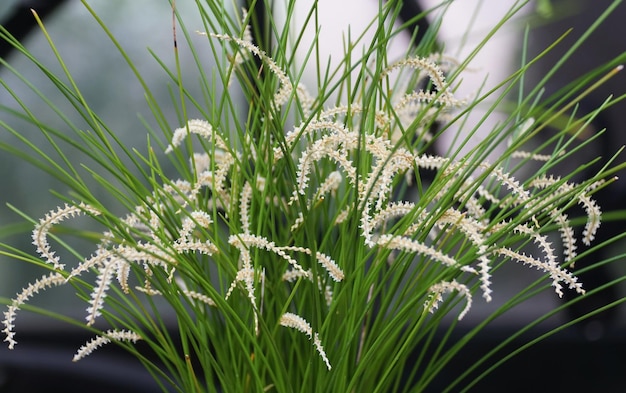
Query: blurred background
column 117, row 96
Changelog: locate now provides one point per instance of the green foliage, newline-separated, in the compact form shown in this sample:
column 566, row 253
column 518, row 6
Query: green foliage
column 309, row 240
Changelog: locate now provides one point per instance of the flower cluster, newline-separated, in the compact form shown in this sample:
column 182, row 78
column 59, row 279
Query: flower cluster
column 349, row 159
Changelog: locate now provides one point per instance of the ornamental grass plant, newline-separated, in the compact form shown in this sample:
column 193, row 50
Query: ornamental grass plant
column 280, row 235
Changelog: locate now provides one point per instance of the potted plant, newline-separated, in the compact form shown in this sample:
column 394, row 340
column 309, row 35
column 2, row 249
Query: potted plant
column 289, row 236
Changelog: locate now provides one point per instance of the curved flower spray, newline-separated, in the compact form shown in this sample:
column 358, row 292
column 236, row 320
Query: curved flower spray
column 275, row 232
column 326, row 137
